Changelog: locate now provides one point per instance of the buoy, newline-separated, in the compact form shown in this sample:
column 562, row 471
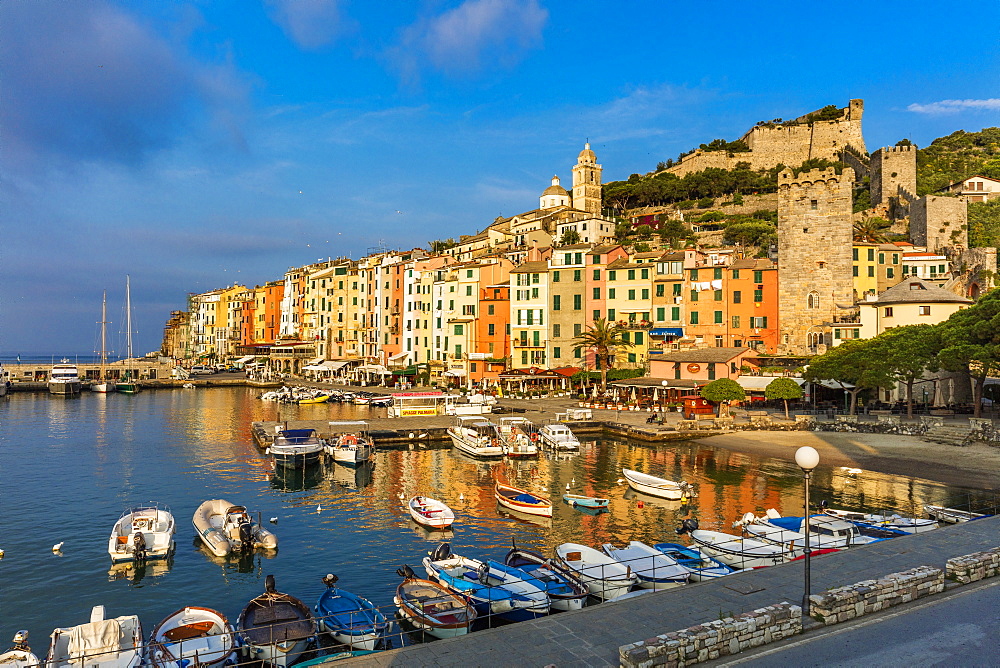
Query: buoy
column 1, row 554
column 319, row 508
column 639, row 505
column 461, row 497
column 411, row 434
column 57, row 547
column 274, row 520
column 567, row 487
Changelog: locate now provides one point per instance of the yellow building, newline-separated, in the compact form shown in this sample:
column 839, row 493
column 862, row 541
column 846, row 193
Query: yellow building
column 629, row 302
column 876, row 267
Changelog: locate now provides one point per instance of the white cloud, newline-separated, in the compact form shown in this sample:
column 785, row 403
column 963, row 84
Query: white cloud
column 955, row 106
column 312, row 24
column 462, row 39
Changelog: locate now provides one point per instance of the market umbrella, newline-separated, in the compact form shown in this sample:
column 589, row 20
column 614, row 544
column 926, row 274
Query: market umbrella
column 633, row 395
column 594, row 393
column 656, row 394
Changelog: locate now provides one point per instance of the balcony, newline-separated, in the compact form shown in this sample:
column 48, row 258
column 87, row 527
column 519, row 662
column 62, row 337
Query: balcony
column 525, row 343
column 635, row 324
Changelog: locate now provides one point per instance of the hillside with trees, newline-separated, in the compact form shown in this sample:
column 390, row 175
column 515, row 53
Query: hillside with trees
column 957, row 156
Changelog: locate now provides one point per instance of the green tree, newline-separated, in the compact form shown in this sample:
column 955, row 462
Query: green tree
column 641, row 247
column 970, row 343
column 784, row 389
column 857, row 365
column 911, row 350
column 871, row 230
column 645, row 232
column 984, row 223
column 622, row 232
column 749, row 233
column 604, row 338
column 723, row 391
column 673, row 231
column 570, row 237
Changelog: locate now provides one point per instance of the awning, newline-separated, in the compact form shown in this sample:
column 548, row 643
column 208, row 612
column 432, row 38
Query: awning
column 759, row 383
column 455, row 373
column 667, row 331
column 374, row 368
column 408, row 371
column 318, row 360
column 314, row 367
column 244, row 360
column 834, row 384
column 330, row 365
column 399, row 356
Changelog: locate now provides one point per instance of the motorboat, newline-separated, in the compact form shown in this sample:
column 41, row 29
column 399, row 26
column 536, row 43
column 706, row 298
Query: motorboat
column 521, row 500
column 295, row 448
column 951, row 515
column 476, row 437
column 605, row 577
column 19, row 655
column 142, row 533
column 202, row 636
column 654, row 569
column 825, row 531
column 64, row 379
column 430, row 513
column 275, row 628
column 577, row 500
column 351, row 619
column 564, row 589
column 518, row 436
column 431, row 607
column 702, row 567
column 317, row 398
column 491, row 589
column 558, row 437
column 224, row 528
column 894, row 521
column 350, row 443
column 661, row 487
column 735, row 551
column 100, row 643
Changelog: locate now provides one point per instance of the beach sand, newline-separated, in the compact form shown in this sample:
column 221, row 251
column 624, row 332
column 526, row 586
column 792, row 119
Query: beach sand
column 976, row 466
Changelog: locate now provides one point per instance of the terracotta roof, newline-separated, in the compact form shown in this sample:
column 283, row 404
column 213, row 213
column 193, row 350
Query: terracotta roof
column 538, row 267
column 601, row 250
column 912, row 291
column 702, row 355
column 758, row 263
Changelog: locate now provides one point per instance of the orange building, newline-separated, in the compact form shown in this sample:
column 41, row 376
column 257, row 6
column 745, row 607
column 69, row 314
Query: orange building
column 753, row 304
column 267, row 312
column 493, row 338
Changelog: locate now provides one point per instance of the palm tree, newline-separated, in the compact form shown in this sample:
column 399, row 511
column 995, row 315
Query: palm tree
column 871, row 230
column 603, row 337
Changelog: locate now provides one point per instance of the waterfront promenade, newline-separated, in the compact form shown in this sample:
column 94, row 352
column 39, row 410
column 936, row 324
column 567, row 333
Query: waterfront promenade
column 592, row 636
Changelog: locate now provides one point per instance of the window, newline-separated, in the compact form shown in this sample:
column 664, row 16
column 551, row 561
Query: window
column 717, row 273
column 555, row 276
column 694, row 295
column 813, row 204
column 611, row 314
column 577, row 353
column 881, row 258
column 677, row 371
column 711, row 371
column 631, row 295
column 661, row 314
column 758, row 296
column 676, row 289
column 597, row 314
column 694, row 317
column 556, row 302
column 812, row 301
column 578, row 257
column 597, row 293
column 718, row 295
column 459, row 330
column 758, row 322
column 854, row 254
column 758, row 276
column 645, row 293
column 458, row 351
column 719, row 341
column 941, row 269
column 577, row 302
column 556, row 352
column 871, row 271
column 597, row 259
column 718, row 317
column 854, row 271
column 577, row 329
column 736, row 322
column 534, row 293
column 577, row 275
column 638, row 338
column 737, row 297
column 644, row 273
column 659, row 290
column 611, row 293
column 612, row 275
column 895, row 258
column 889, row 273
column 491, row 329
column 489, row 310
column 524, row 357
column 597, row 274
column 871, row 254
column 568, row 258
column 675, row 313
column 694, row 274
column 923, row 310
column 631, row 274
column 887, row 312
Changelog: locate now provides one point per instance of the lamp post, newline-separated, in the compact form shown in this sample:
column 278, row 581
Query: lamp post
column 807, row 458
column 663, row 398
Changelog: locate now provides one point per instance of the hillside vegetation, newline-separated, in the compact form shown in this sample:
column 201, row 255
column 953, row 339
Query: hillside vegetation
column 957, row 156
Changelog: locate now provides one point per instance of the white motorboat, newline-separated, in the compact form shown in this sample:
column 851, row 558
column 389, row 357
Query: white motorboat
column 951, row 515
column 19, row 655
column 825, row 532
column 295, row 448
column 430, row 513
column 737, row 552
column 654, row 569
column 100, row 643
column 605, row 577
column 225, row 528
column 518, row 436
column 350, row 442
column 276, row 628
column 201, row 636
column 559, row 437
column 64, row 379
column 661, row 487
column 102, row 384
column 894, row 522
column 476, row 437
column 142, row 533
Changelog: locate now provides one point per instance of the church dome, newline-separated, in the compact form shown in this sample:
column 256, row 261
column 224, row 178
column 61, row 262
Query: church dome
column 587, row 155
column 555, row 188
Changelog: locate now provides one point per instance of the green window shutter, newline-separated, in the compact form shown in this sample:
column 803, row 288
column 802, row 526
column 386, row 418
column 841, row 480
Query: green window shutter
column 645, row 293
column 758, row 296
column 459, row 330
column 577, row 302
column 638, row 338
column 717, row 273
column 661, row 314
column 675, row 313
column 758, row 276
column 631, row 358
column 644, row 273
column 611, row 315
column 556, row 352
column 577, row 275
column 611, row 293
column 694, row 317
column 556, row 302
column 597, row 293
column 612, row 275
column 631, row 295
column 718, row 317
column 694, row 295
column 555, row 276
column 631, row 274
column 677, row 289
column 659, row 290
column 597, row 314
column 718, row 295
column 597, row 274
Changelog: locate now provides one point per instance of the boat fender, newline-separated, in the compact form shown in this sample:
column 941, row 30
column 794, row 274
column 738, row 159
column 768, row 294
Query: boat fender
column 495, row 443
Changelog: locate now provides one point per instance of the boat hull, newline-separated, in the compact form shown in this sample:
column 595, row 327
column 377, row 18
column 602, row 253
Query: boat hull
column 585, row 501
column 604, row 577
column 296, row 460
column 430, row 513
column 173, row 643
column 67, row 388
column 103, row 388
column 507, row 497
column 738, row 553
column 474, row 447
column 157, row 528
column 646, row 484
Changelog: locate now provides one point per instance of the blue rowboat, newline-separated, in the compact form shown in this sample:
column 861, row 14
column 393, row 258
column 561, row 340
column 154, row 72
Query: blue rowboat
column 349, row 618
column 565, row 590
column 702, row 567
column 585, row 501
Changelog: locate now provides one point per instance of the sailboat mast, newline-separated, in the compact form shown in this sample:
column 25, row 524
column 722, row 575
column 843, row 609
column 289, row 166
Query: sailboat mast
column 128, row 317
column 104, row 332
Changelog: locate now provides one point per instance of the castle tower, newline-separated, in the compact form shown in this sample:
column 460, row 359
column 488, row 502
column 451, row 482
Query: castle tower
column 553, row 196
column 587, row 182
column 815, row 235
column 892, row 167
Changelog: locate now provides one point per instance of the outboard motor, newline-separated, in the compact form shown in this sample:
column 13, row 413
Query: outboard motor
column 21, row 641
column 269, row 585
column 246, row 536
column 687, row 526
column 330, row 580
column 139, row 546
column 441, row 552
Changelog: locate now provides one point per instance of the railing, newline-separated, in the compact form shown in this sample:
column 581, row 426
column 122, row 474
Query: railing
column 526, row 343
column 635, row 324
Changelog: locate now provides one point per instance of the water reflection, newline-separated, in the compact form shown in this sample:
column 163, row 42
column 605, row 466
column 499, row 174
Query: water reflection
column 297, row 480
column 135, row 571
column 352, row 477
column 432, row 536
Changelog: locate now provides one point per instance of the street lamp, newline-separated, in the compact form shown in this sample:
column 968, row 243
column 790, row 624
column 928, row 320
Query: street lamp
column 807, row 458
column 663, row 409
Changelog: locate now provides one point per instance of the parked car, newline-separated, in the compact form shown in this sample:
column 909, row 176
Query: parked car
column 201, row 370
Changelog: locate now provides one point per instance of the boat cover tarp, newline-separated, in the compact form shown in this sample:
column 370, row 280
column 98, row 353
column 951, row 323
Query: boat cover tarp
column 95, row 638
column 527, row 498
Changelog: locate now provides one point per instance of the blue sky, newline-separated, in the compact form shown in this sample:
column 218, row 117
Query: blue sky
column 194, row 145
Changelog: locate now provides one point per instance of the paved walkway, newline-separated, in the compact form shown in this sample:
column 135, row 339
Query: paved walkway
column 592, row 636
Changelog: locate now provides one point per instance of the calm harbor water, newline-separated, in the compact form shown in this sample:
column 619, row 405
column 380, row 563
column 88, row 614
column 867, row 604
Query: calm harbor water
column 70, row 466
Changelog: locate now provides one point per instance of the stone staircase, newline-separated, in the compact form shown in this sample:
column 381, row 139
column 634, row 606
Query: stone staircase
column 948, row 434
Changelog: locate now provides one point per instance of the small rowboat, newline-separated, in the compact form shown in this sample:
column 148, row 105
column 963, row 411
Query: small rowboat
column 276, row 628
column 585, row 501
column 702, row 567
column 661, row 487
column 200, row 635
column 430, row 513
column 951, row 515
column 654, row 569
column 351, row 619
column 605, row 577
column 565, row 590
column 317, row 399
column 522, row 500
column 431, row 607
